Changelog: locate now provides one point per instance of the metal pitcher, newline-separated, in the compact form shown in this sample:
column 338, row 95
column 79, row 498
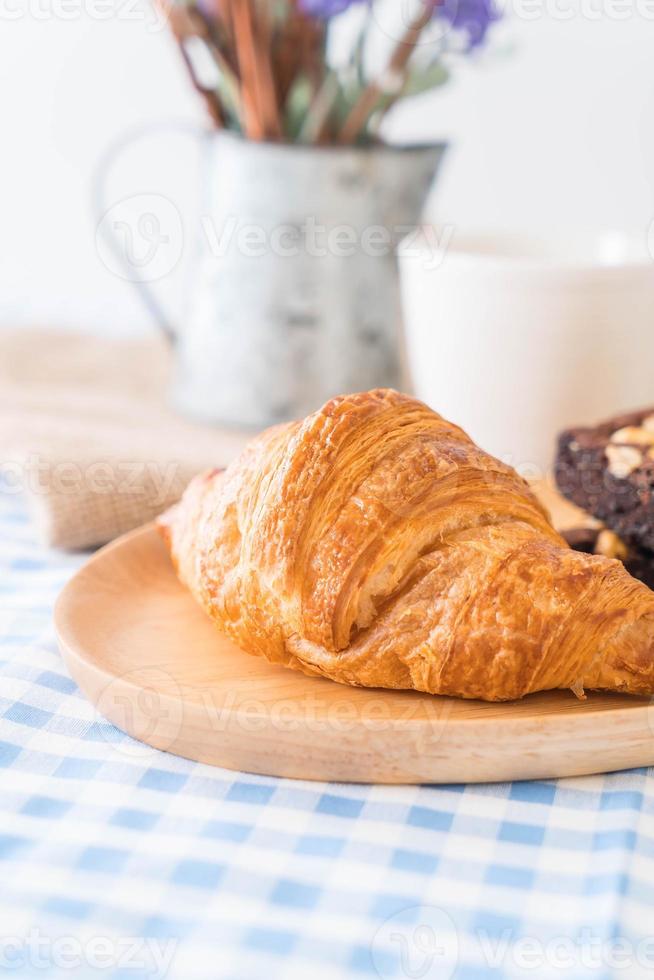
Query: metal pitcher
column 296, row 295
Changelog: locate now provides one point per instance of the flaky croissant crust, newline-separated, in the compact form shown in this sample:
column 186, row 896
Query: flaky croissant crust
column 374, row 543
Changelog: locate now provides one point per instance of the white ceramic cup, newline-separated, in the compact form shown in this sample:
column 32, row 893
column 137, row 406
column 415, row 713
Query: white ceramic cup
column 516, row 339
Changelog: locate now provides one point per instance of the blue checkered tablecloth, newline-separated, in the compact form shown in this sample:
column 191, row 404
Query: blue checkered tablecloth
column 119, row 861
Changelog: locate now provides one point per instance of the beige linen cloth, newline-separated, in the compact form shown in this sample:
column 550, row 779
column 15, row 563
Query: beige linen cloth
column 86, row 432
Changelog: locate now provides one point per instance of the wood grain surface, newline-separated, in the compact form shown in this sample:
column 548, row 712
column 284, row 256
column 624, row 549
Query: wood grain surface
column 152, row 663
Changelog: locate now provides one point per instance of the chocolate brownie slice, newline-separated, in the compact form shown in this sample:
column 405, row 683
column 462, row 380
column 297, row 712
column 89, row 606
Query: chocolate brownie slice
column 608, row 471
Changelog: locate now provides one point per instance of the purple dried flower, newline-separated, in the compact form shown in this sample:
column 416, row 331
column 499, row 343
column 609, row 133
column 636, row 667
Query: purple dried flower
column 325, row 8
column 474, row 17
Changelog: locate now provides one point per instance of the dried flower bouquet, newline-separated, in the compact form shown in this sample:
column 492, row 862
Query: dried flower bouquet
column 264, row 69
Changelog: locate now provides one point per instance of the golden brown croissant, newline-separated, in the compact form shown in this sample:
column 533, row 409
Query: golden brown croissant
column 374, row 543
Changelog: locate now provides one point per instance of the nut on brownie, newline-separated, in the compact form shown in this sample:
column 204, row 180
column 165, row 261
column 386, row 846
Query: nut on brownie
column 608, row 471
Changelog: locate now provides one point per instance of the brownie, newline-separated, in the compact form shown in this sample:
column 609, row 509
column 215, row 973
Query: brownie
column 641, row 566
column 582, row 538
column 608, row 471
column 638, row 561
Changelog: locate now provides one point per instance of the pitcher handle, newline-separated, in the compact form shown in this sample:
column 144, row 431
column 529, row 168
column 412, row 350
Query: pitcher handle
column 103, row 169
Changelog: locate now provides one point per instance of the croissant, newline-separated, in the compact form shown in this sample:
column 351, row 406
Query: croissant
column 375, row 544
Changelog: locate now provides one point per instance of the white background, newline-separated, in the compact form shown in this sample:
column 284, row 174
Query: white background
column 555, row 131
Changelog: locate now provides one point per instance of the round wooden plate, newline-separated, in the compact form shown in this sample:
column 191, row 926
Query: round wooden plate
column 152, row 663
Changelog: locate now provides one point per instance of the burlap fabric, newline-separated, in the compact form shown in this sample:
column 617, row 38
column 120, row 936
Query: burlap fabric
column 87, row 434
